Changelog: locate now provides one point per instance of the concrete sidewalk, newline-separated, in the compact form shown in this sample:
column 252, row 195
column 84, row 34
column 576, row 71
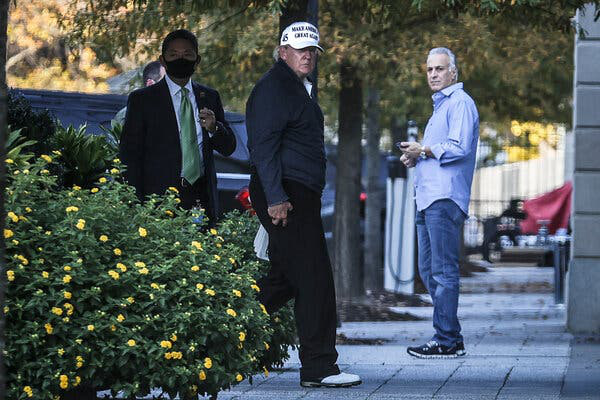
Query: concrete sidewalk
column 517, row 347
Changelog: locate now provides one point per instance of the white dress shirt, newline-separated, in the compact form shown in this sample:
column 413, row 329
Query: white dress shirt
column 176, row 94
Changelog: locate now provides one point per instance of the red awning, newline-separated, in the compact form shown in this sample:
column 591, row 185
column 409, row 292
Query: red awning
column 554, row 206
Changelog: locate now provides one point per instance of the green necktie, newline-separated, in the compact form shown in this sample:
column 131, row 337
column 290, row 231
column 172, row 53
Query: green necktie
column 189, row 141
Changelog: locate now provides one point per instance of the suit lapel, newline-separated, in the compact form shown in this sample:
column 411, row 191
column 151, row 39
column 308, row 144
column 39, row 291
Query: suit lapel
column 170, row 119
column 200, row 96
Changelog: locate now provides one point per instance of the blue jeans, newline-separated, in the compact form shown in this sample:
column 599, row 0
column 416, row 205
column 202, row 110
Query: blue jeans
column 439, row 233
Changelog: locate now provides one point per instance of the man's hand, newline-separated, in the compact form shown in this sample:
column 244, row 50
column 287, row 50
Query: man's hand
column 411, row 150
column 408, row 162
column 208, row 120
column 279, row 213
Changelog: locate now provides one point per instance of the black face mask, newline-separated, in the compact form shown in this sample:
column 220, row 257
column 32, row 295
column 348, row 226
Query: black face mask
column 180, row 68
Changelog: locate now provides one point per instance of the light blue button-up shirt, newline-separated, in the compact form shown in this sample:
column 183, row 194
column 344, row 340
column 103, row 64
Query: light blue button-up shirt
column 451, row 134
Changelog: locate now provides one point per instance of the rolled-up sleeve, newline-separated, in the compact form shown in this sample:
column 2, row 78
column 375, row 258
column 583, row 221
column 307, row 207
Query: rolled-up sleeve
column 266, row 120
column 462, row 119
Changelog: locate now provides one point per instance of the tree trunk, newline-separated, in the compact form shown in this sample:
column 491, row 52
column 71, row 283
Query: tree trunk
column 347, row 186
column 3, row 133
column 373, row 262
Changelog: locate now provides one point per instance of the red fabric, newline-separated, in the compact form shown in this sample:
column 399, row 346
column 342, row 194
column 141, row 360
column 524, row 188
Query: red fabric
column 554, row 206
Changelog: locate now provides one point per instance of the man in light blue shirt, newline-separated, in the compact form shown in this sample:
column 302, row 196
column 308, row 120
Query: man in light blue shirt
column 444, row 163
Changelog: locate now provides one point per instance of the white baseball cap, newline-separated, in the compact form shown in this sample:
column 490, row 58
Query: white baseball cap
column 300, row 35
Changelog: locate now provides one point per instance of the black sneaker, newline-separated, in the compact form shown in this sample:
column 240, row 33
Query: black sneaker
column 460, row 349
column 433, row 349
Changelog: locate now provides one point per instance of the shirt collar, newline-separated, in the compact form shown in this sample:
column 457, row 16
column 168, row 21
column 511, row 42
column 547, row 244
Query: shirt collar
column 446, row 92
column 175, row 88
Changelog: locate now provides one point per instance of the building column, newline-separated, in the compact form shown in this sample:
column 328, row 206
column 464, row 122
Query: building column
column 583, row 277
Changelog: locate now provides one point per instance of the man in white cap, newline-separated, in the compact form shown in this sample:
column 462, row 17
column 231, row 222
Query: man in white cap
column 285, row 139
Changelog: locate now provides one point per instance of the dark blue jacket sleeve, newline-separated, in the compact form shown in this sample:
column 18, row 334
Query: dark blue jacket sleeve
column 266, row 119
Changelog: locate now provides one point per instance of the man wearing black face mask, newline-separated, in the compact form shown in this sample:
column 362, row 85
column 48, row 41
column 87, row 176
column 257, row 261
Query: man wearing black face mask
column 171, row 129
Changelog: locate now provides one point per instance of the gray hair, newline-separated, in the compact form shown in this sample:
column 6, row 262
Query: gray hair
column 451, row 56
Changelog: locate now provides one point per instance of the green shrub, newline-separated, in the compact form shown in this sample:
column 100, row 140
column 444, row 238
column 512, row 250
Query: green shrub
column 35, row 125
column 105, row 292
column 82, row 158
column 240, row 229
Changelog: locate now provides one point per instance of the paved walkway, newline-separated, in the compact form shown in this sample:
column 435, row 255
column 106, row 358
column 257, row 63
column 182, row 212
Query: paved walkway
column 516, row 342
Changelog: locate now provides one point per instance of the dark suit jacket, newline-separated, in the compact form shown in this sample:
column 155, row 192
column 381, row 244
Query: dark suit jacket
column 150, row 145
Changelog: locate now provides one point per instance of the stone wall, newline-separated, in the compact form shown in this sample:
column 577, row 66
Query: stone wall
column 583, row 279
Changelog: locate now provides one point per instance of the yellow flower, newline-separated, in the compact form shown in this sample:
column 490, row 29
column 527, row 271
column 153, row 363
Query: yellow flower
column 120, row 318
column 44, row 172
column 28, row 391
column 114, row 171
column 117, row 161
column 131, row 343
column 80, row 224
column 6, row 309
column 113, row 328
column 45, row 274
column 15, row 242
column 210, row 292
column 237, row 293
column 139, row 264
column 46, row 158
column 173, row 189
column 266, row 371
column 102, row 180
column 143, row 232
column 103, row 238
column 122, row 267
column 199, row 286
column 10, row 275
column 64, row 382
column 207, row 363
column 242, row 336
column 231, row 260
column 94, row 190
column 113, row 274
column 239, row 378
column 266, row 345
column 202, row 375
column 77, row 381
column 75, row 187
column 174, row 337
column 213, row 231
column 154, row 285
column 117, row 251
column 28, row 209
column 262, row 307
column 67, row 295
column 231, row 312
column 60, row 351
column 23, row 260
column 219, row 245
column 168, row 355
column 57, row 310
column 9, row 161
column 166, row 344
column 91, row 328
column 197, row 245
column 72, row 209
column 255, row 288
column 56, row 152
column 217, row 257
column 13, row 216
column 143, row 271
column 67, row 268
column 131, row 300
column 49, row 328
column 195, row 268
column 66, row 319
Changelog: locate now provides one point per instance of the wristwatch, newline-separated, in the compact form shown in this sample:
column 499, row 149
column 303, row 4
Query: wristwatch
column 422, row 154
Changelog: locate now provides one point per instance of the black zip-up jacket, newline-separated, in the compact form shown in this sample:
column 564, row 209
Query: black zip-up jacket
column 285, row 133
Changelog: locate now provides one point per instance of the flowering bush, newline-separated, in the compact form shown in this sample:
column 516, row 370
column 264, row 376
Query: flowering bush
column 105, row 292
